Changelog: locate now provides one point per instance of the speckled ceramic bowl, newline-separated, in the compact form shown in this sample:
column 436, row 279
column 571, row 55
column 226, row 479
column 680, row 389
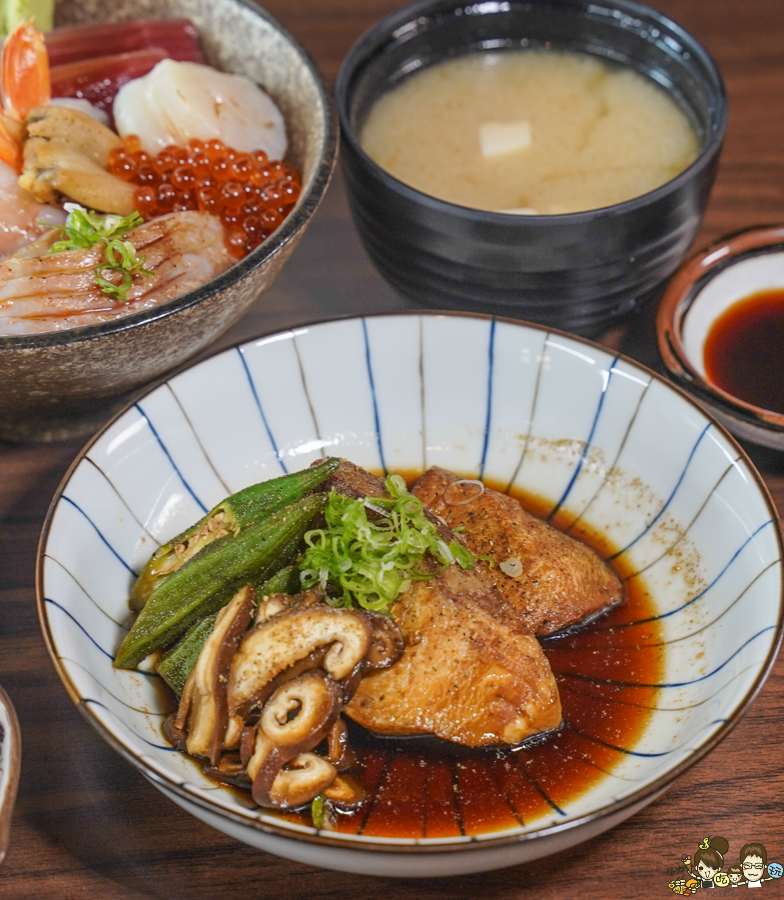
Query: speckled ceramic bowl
column 60, row 384
column 703, row 289
column 604, row 444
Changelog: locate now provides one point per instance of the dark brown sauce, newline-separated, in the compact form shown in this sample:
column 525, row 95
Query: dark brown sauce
column 431, row 788
column 744, row 350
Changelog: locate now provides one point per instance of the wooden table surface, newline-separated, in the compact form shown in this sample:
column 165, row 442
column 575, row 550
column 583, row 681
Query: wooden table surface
column 87, row 824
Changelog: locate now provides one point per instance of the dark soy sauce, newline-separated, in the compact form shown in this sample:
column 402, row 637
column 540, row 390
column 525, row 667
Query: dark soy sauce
column 431, row 788
column 744, row 350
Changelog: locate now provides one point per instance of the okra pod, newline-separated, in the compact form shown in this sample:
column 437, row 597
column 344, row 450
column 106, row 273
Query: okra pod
column 286, row 581
column 176, row 663
column 211, row 578
column 247, row 507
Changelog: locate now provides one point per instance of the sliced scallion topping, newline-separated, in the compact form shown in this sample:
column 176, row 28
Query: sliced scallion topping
column 83, row 230
column 368, row 562
column 318, row 811
column 120, row 257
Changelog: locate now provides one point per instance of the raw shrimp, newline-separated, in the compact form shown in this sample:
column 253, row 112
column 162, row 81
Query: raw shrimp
column 24, row 77
column 20, row 215
column 25, row 72
column 53, row 292
column 180, row 101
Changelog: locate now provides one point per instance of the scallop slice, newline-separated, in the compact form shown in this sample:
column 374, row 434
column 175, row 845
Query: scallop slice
column 136, row 112
column 180, row 101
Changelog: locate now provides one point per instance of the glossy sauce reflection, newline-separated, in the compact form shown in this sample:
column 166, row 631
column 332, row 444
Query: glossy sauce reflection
column 434, row 789
column 744, row 350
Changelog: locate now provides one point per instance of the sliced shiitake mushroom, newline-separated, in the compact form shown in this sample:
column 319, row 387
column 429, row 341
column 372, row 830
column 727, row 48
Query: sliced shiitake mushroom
column 388, row 642
column 288, row 637
column 339, row 753
column 269, row 607
column 301, row 712
column 202, row 713
column 233, row 736
column 230, row 770
column 263, row 765
column 305, row 777
column 275, row 604
column 345, row 792
column 250, row 711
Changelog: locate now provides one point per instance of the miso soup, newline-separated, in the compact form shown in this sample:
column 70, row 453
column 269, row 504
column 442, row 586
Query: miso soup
column 530, row 131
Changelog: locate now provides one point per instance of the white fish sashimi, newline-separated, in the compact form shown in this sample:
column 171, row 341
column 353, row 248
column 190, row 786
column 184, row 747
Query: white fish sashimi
column 180, row 101
column 42, row 292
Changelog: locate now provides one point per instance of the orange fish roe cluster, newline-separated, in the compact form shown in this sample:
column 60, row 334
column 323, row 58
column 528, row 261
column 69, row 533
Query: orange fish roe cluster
column 251, row 194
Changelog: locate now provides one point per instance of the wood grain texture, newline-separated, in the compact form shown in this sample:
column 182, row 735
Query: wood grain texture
column 87, row 824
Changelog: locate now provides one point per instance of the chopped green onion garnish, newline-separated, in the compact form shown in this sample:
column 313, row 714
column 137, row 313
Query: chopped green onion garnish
column 84, row 230
column 318, row 812
column 367, row 563
column 126, row 265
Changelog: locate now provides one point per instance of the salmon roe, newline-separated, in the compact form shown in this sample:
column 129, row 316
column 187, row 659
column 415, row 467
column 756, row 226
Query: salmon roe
column 249, row 193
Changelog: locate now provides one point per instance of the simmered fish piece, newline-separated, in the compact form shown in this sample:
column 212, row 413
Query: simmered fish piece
column 561, row 581
column 466, row 674
column 353, row 481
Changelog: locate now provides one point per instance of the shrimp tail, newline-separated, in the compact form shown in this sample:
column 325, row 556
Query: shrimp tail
column 25, row 82
column 24, row 72
column 10, row 144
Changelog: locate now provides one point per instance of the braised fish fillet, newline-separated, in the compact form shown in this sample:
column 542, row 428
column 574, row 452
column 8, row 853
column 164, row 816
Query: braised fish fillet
column 353, row 481
column 465, row 675
column 562, row 582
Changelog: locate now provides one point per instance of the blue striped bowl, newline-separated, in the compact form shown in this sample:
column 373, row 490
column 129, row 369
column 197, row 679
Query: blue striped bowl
column 605, row 441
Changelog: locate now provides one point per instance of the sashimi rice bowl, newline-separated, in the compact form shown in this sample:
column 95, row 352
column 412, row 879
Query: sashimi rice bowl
column 153, row 179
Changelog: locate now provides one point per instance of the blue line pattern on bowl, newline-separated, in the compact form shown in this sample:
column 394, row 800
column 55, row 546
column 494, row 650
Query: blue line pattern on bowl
column 534, row 410
column 261, row 411
column 163, row 447
column 373, row 393
column 583, row 458
column 100, row 535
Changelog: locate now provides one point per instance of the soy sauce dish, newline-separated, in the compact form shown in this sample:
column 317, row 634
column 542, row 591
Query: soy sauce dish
column 720, row 326
column 603, row 448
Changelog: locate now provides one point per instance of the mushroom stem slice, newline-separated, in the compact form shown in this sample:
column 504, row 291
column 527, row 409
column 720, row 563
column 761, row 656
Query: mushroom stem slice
column 301, row 712
column 233, row 733
column 307, row 776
